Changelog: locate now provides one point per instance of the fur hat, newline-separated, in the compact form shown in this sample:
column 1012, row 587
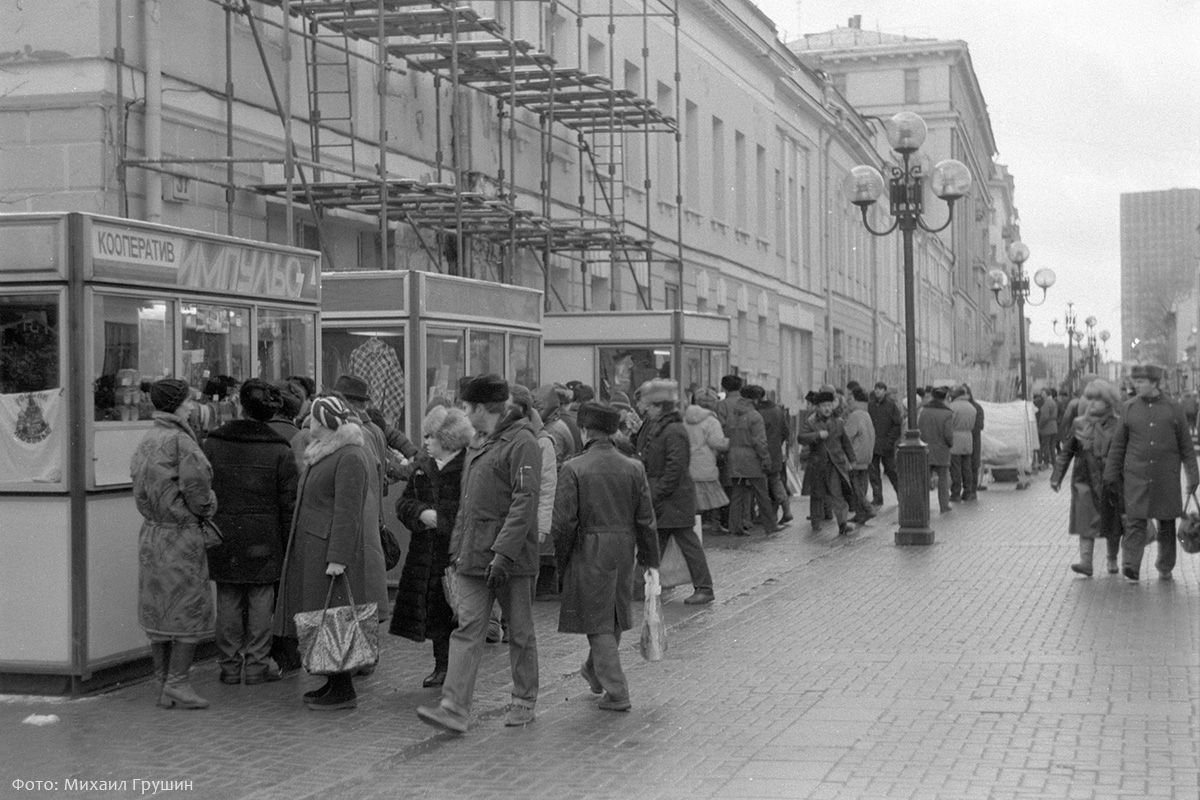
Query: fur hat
column 752, row 392
column 660, row 390
column 731, row 383
column 940, row 392
column 599, row 417
column 823, row 397
column 582, row 393
column 168, row 394
column 619, row 398
column 490, row 388
column 353, row 388
column 330, row 411
column 1150, row 372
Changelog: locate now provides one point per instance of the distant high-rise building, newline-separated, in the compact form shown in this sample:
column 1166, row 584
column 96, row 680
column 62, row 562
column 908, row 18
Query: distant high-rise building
column 1160, row 250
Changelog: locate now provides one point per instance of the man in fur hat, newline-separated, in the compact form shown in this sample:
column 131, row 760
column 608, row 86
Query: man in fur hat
column 1150, row 445
column 494, row 549
column 603, row 523
column 829, row 460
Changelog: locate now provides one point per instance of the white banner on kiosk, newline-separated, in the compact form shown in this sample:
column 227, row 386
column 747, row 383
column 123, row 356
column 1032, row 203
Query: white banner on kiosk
column 31, row 436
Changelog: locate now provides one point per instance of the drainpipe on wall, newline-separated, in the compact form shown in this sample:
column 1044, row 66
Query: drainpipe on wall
column 826, row 249
column 152, row 17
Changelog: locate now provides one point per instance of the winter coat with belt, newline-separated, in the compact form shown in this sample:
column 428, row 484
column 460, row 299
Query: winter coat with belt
column 936, row 424
column 500, row 488
column 254, row 477
column 664, row 449
column 603, row 521
column 1149, row 446
column 327, row 528
column 706, row 439
column 172, row 487
column 962, row 421
column 1095, row 508
column 421, row 610
column 748, row 455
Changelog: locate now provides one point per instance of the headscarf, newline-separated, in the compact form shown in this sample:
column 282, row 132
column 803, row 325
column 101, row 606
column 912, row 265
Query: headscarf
column 168, row 394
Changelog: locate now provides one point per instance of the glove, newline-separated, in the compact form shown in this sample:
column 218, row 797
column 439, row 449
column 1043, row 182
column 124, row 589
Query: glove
column 499, row 571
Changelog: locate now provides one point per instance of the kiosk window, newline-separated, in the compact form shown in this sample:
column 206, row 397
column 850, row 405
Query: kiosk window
column 29, row 333
column 523, row 363
column 133, row 341
column 487, row 353
column 627, row 368
column 376, row 356
column 286, row 344
column 216, row 348
column 445, row 350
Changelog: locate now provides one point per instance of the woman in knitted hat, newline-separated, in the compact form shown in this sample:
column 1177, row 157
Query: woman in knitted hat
column 327, row 541
column 172, row 486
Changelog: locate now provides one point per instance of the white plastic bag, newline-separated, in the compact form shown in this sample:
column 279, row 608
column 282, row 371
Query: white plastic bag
column 653, row 644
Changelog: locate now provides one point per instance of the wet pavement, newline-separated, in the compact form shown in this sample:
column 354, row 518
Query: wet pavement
column 829, row 667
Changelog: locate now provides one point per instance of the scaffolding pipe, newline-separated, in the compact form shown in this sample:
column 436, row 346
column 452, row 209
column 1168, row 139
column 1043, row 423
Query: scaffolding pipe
column 229, row 197
column 119, row 57
column 678, row 157
column 152, row 119
column 647, row 183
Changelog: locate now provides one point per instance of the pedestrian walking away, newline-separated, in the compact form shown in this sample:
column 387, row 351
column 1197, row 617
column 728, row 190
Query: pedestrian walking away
column 494, row 550
column 172, row 487
column 1095, row 508
column 936, row 424
column 861, row 432
column 962, row 464
column 1150, row 445
column 603, row 524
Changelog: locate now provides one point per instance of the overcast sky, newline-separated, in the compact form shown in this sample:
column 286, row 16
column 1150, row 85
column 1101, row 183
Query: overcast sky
column 1088, row 99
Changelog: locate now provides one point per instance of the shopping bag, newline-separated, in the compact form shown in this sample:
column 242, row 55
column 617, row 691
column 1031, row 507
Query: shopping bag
column 450, row 589
column 672, row 568
column 340, row 639
column 391, row 547
column 653, row 644
column 1188, row 528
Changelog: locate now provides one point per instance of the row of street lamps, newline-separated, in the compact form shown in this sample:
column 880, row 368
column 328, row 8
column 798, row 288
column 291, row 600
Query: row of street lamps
column 949, row 180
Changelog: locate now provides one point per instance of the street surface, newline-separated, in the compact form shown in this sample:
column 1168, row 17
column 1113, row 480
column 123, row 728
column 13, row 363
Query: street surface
column 979, row 667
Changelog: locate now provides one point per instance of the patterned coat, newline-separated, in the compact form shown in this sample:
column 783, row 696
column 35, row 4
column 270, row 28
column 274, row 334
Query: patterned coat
column 1150, row 445
column 172, row 486
column 1095, row 508
column 602, row 514
column 421, row 609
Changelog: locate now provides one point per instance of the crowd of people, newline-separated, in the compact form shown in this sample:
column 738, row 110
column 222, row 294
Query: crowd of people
column 518, row 493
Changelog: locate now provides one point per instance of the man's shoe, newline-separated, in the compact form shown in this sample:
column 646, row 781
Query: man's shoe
column 1164, row 575
column 494, row 633
column 877, row 502
column 266, row 675
column 232, row 678
column 518, row 716
column 443, row 718
column 786, row 518
column 1082, row 569
column 435, row 678
column 845, row 528
column 610, row 703
column 1130, row 573
column 593, row 682
column 1113, row 569
column 699, row 598
column 946, row 509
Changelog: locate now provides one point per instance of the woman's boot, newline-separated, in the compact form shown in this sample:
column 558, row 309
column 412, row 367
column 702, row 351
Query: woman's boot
column 341, row 694
column 161, row 653
column 178, row 691
column 1084, row 566
column 1114, row 549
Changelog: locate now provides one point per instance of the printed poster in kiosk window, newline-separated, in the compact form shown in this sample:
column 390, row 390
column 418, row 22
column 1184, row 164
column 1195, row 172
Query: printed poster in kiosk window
column 141, row 255
column 31, row 437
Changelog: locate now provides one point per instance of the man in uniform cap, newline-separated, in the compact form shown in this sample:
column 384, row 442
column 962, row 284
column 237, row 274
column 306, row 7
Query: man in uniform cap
column 494, row 549
column 603, row 520
column 1152, row 441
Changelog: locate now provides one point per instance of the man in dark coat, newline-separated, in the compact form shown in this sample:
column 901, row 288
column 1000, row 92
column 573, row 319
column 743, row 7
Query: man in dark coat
column 775, row 425
column 1150, row 445
column 829, row 458
column 664, row 448
column 889, row 427
column 730, row 386
column 603, row 524
column 936, row 424
column 494, row 548
column 254, row 477
column 749, row 464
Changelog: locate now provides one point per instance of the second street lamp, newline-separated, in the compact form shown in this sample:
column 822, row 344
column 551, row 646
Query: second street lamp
column 1018, row 287
column 1072, row 336
column 949, row 180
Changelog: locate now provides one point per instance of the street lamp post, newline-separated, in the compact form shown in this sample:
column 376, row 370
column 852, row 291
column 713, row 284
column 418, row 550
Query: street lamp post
column 1090, row 324
column 1069, row 324
column 949, row 180
column 1103, row 353
column 1018, row 286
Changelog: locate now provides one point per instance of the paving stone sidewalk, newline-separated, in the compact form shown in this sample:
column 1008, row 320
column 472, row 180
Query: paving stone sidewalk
column 829, row 667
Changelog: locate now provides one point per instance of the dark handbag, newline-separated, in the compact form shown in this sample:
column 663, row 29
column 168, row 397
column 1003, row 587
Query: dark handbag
column 211, row 533
column 391, row 547
column 1188, row 529
column 340, row 639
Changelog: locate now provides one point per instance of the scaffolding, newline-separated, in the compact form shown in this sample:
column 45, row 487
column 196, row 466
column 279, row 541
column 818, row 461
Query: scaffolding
column 461, row 49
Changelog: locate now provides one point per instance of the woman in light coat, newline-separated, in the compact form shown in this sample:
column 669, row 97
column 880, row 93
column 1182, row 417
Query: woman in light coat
column 327, row 540
column 172, row 486
column 707, row 439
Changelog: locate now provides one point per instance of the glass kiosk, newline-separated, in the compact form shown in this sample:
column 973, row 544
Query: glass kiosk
column 92, row 307
column 413, row 335
column 623, row 349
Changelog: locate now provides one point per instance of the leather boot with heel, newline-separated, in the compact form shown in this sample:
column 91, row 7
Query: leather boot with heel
column 1084, row 565
column 177, row 691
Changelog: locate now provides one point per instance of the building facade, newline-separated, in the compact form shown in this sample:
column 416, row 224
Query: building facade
column 1160, row 260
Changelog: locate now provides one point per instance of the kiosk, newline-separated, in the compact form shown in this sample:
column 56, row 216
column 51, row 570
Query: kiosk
column 90, row 308
column 623, row 349
column 412, row 335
